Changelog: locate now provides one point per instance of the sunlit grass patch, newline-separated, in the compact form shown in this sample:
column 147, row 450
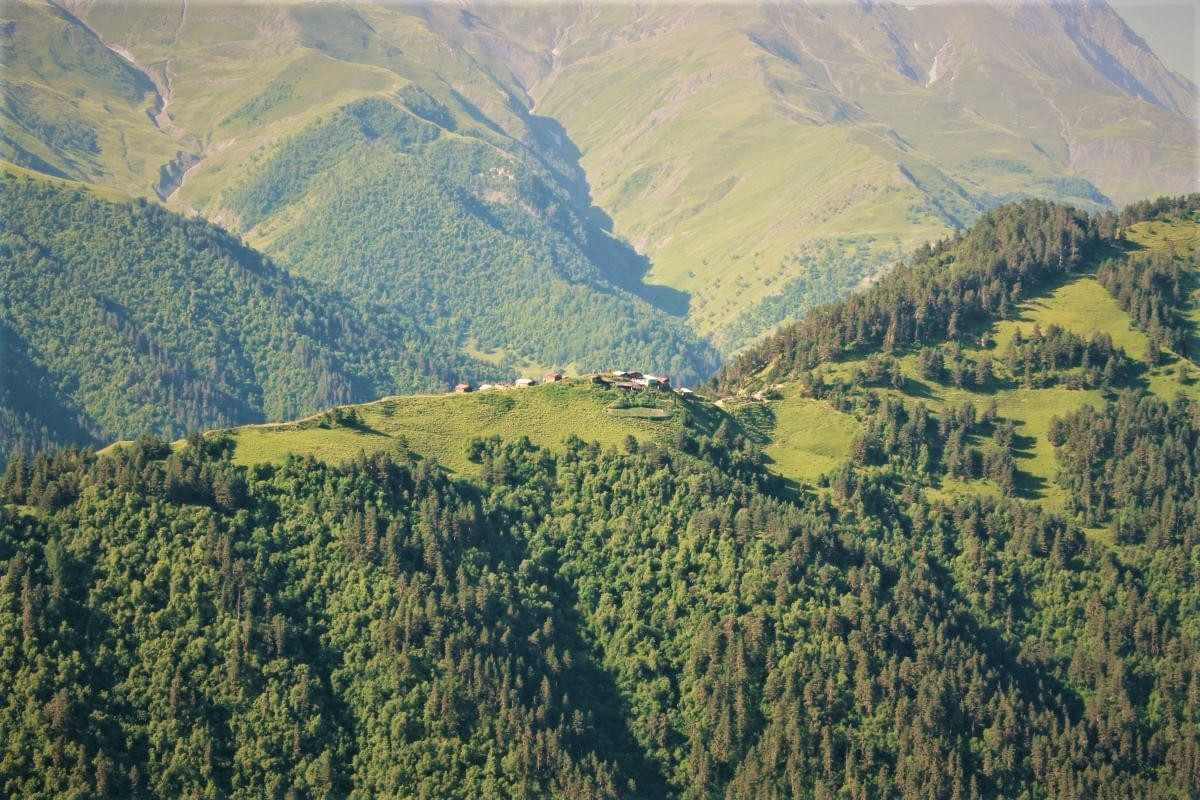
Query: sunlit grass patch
column 809, row 438
column 441, row 426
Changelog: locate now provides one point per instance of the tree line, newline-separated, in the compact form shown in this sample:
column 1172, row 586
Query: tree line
column 952, row 290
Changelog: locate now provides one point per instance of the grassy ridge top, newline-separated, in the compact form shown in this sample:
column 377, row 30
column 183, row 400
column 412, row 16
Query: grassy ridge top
column 802, row 438
column 441, row 426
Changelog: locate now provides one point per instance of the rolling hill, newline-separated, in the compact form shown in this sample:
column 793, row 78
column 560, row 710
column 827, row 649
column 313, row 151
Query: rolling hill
column 441, row 427
column 804, row 434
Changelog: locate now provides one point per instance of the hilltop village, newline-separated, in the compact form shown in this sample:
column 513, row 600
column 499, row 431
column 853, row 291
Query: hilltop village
column 616, row 379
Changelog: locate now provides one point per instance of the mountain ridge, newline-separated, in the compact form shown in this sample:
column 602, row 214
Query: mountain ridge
column 820, row 142
column 672, row 612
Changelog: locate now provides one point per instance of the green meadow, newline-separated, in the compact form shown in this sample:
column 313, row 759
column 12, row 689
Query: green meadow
column 803, row 438
column 441, row 426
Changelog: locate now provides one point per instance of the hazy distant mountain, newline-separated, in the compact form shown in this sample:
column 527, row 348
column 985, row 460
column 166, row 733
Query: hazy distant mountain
column 756, row 157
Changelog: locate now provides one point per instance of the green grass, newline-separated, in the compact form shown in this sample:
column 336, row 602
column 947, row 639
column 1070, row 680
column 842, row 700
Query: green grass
column 65, row 79
column 524, row 367
column 807, row 437
column 718, row 187
column 953, row 488
column 1082, row 306
column 640, row 413
column 103, row 192
column 719, row 159
column 1181, row 235
column 810, row 438
column 1031, row 410
column 441, row 426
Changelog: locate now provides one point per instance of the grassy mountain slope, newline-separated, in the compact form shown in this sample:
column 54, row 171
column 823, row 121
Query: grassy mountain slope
column 441, row 427
column 722, row 139
column 74, row 108
column 123, row 318
column 469, row 218
column 760, row 158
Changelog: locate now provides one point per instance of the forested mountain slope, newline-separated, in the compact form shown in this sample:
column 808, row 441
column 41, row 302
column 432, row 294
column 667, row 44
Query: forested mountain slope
column 680, row 611
column 962, row 284
column 652, row 622
column 473, row 242
column 961, row 366
column 124, row 318
column 759, row 158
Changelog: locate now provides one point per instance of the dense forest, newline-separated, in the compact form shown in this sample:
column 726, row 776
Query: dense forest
column 446, row 230
column 1151, row 288
column 662, row 619
column 646, row 622
column 1135, row 465
column 123, row 318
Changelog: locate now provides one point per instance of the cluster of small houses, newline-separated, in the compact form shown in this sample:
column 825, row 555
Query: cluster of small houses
column 618, row 379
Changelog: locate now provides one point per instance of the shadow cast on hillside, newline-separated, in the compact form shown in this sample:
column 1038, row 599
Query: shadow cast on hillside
column 31, row 391
column 616, row 260
column 598, row 692
column 1027, row 485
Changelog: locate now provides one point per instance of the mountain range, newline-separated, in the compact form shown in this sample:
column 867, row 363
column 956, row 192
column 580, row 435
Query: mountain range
column 927, row 527
column 683, row 175
column 935, row 541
